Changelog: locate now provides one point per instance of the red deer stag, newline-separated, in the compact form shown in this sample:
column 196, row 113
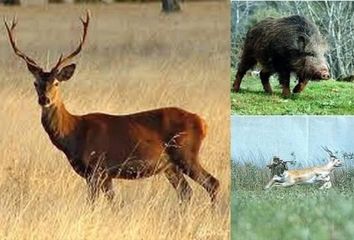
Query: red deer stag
column 101, row 147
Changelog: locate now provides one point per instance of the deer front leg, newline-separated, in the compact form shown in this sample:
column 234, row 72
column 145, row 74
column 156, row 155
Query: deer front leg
column 326, row 185
column 93, row 188
column 323, row 177
column 285, row 184
column 274, row 180
column 97, row 179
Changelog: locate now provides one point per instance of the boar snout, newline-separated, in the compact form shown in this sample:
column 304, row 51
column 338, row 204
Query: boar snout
column 324, row 73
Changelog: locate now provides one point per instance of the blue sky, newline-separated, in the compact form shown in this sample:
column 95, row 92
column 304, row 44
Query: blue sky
column 258, row 138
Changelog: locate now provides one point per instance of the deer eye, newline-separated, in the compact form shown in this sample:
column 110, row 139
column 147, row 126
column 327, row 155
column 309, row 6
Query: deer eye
column 56, row 84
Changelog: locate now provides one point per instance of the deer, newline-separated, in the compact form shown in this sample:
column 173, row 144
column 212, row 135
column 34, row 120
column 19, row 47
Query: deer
column 101, row 147
column 314, row 175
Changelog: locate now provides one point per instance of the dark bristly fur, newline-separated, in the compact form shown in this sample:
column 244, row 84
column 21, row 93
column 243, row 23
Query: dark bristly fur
column 284, row 46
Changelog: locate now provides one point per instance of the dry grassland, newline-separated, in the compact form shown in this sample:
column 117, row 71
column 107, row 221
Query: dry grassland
column 136, row 58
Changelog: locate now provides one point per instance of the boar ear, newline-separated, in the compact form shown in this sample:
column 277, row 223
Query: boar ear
column 301, row 42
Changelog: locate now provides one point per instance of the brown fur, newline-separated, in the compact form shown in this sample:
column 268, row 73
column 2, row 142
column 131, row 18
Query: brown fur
column 135, row 146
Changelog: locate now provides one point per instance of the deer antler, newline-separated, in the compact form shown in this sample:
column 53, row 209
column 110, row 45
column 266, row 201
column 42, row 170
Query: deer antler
column 328, row 151
column 10, row 31
column 62, row 60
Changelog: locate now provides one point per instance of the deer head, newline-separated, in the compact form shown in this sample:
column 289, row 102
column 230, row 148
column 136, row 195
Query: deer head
column 334, row 160
column 47, row 82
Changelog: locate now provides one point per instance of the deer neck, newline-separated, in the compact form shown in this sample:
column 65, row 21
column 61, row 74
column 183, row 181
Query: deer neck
column 329, row 166
column 57, row 121
column 62, row 128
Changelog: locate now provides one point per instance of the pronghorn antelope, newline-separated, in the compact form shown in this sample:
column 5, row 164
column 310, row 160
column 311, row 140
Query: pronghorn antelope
column 320, row 174
column 101, row 147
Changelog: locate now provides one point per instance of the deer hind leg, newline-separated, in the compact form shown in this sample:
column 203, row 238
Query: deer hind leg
column 188, row 162
column 184, row 155
column 205, row 179
column 326, row 185
column 326, row 179
column 177, row 180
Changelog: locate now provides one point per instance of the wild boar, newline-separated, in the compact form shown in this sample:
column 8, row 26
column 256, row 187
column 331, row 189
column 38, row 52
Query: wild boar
column 284, row 46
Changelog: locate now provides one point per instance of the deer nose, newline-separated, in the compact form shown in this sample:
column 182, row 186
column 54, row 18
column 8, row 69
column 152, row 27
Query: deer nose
column 43, row 100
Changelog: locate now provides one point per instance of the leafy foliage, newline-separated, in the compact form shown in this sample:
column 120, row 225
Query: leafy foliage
column 319, row 98
column 300, row 212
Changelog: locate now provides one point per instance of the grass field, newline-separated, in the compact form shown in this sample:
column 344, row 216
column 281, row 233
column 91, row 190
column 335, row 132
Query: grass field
column 300, row 212
column 318, row 98
column 136, row 58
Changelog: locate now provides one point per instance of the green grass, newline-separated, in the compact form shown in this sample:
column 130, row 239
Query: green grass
column 319, row 98
column 300, row 212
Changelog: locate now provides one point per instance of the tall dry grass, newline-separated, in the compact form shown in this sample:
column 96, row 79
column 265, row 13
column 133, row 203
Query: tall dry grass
column 136, row 58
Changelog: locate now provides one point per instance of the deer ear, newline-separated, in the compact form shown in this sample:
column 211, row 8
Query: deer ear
column 35, row 70
column 66, row 72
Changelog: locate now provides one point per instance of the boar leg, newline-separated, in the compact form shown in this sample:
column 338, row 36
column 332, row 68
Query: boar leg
column 285, row 82
column 245, row 64
column 264, row 75
column 300, row 86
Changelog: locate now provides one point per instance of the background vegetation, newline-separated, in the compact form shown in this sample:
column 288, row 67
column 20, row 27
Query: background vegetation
column 135, row 59
column 299, row 212
column 320, row 98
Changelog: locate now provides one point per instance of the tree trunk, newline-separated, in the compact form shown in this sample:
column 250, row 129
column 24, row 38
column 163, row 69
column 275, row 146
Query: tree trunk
column 170, row 6
column 33, row 2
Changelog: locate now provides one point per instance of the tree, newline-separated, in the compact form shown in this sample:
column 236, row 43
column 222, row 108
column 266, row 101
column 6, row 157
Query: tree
column 170, row 6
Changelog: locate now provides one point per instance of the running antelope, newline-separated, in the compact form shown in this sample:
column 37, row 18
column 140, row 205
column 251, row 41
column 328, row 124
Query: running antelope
column 320, row 174
column 101, row 147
